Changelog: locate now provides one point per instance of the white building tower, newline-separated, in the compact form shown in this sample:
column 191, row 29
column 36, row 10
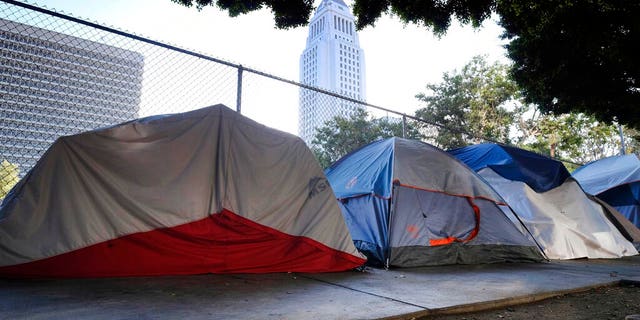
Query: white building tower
column 333, row 61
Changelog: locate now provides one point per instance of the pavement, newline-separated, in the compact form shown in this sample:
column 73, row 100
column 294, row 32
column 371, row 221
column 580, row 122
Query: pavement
column 411, row 293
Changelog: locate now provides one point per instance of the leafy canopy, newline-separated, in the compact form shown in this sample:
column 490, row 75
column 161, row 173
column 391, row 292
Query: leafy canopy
column 342, row 135
column 573, row 136
column 576, row 55
column 481, row 102
column 287, row 14
column 476, row 100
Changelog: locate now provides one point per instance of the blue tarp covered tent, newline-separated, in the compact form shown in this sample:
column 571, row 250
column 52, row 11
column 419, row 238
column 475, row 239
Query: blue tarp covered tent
column 539, row 172
column 408, row 203
column 564, row 220
column 616, row 180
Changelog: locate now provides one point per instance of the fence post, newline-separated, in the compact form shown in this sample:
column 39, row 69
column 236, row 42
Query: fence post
column 622, row 146
column 404, row 126
column 239, row 91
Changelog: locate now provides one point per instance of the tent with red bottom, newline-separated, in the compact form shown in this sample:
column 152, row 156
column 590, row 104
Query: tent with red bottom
column 207, row 191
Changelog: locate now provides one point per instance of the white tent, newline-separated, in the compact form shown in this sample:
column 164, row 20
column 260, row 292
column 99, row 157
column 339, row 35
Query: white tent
column 553, row 206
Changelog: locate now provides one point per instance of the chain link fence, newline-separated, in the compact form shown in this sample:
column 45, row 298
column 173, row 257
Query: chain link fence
column 60, row 75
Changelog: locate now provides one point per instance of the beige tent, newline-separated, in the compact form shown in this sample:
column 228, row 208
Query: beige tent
column 203, row 191
column 553, row 206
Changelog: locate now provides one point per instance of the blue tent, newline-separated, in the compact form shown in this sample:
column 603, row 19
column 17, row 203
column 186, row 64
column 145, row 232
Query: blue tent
column 616, row 180
column 408, row 203
column 565, row 221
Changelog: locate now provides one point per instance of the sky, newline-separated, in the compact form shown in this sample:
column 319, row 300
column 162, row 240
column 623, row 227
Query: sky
column 400, row 59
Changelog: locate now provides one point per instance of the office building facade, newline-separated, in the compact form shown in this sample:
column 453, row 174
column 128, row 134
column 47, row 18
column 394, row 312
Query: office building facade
column 53, row 84
column 333, row 61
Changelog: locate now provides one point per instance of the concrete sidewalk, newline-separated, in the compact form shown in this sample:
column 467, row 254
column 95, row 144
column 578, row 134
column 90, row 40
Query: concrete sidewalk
column 373, row 294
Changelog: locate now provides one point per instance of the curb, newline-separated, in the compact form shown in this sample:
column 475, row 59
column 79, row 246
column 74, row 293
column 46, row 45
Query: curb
column 507, row 302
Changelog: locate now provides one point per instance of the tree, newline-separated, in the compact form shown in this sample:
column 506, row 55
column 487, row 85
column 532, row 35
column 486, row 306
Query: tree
column 575, row 137
column 576, row 55
column 8, row 177
column 287, row 14
column 481, row 99
column 631, row 140
column 341, row 135
column 569, row 56
column 433, row 14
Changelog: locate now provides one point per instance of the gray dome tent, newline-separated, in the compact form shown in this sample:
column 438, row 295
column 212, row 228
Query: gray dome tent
column 408, row 203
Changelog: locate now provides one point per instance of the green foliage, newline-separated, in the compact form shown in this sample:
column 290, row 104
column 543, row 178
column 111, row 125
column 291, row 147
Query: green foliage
column 576, row 55
column 474, row 100
column 573, row 136
column 287, row 14
column 484, row 101
column 433, row 14
column 341, row 135
column 632, row 140
column 8, row 177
